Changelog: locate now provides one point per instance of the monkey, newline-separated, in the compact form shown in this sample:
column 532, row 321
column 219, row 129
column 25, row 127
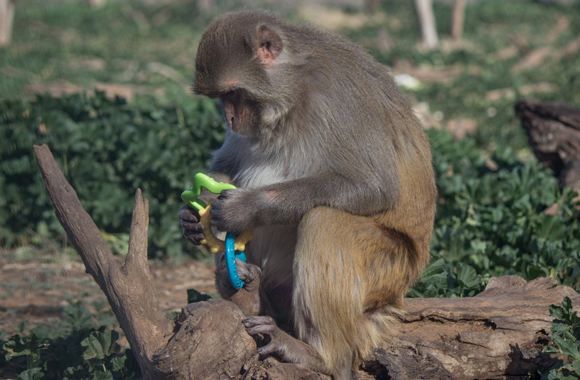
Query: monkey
column 334, row 175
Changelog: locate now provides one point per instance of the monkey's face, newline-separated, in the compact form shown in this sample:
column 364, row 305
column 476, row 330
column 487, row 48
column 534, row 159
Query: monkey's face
column 241, row 112
column 237, row 61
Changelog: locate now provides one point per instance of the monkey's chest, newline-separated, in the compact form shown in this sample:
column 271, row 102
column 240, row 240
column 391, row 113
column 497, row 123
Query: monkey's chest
column 273, row 251
column 254, row 176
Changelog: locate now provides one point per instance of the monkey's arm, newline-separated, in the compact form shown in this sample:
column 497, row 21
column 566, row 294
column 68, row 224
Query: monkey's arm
column 286, row 202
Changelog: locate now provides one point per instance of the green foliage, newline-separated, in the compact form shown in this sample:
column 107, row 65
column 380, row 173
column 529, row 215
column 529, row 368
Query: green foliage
column 83, row 351
column 489, row 27
column 101, row 345
column 195, row 296
column 29, row 346
column 491, row 221
column 566, row 341
column 106, row 149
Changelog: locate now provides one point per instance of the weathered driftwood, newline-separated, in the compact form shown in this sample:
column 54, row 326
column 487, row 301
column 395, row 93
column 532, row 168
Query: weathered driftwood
column 497, row 334
column 554, row 133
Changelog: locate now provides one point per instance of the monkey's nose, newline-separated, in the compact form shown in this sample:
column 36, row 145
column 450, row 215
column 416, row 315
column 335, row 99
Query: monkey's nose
column 232, row 124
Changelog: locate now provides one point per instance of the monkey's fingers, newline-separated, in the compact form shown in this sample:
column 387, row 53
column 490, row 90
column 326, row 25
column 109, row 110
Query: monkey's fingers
column 188, row 214
column 195, row 227
column 260, row 325
column 193, row 237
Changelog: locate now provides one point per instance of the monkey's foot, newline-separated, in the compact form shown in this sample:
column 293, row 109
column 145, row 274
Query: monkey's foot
column 248, row 297
column 285, row 346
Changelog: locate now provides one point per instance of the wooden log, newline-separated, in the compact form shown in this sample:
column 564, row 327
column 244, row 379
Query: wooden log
column 498, row 334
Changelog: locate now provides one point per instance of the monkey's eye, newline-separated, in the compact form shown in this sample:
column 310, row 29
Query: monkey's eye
column 230, row 95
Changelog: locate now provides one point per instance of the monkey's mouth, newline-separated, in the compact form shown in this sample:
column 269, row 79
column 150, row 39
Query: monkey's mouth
column 237, row 111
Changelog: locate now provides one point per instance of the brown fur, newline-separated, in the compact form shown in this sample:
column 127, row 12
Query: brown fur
column 335, row 177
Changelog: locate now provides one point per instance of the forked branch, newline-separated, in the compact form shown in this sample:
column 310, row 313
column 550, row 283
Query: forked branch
column 128, row 289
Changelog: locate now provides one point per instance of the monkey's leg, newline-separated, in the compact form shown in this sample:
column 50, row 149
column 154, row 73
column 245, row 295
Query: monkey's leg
column 248, row 297
column 349, row 279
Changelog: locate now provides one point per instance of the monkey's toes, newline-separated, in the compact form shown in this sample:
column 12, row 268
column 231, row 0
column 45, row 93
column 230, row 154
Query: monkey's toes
column 247, row 272
column 260, row 325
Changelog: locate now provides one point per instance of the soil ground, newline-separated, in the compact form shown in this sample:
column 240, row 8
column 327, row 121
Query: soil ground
column 36, row 290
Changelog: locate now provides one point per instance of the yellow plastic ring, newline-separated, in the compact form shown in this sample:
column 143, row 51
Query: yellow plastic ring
column 213, row 243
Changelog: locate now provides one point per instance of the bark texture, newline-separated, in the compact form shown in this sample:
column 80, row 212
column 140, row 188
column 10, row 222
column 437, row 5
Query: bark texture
column 498, row 334
column 554, row 133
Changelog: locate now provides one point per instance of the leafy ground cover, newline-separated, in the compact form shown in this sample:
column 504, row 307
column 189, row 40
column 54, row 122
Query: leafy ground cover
column 499, row 212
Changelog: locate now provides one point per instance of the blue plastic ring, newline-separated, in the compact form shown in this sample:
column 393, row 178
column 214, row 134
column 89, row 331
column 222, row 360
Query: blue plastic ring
column 231, row 257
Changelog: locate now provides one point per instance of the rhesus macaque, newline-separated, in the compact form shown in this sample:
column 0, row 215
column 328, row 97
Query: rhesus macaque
column 334, row 175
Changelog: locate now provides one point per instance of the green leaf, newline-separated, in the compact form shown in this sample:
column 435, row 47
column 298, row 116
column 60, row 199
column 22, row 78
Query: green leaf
column 99, row 375
column 557, row 311
column 195, row 296
column 568, row 348
column 567, row 305
column 551, row 350
column 100, row 345
column 31, row 374
column 118, row 363
column 18, row 346
column 467, row 276
column 79, row 317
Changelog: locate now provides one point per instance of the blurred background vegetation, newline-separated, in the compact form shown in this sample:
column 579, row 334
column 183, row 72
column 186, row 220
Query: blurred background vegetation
column 107, row 85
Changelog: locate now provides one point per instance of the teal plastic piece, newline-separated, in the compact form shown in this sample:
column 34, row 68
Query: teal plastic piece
column 231, row 257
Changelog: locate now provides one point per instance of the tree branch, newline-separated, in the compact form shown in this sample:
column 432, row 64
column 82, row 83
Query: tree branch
column 129, row 291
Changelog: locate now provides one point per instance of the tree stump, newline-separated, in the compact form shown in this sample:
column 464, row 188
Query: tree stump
column 498, row 334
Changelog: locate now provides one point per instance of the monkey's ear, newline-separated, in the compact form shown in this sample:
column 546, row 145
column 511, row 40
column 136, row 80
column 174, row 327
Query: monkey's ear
column 268, row 44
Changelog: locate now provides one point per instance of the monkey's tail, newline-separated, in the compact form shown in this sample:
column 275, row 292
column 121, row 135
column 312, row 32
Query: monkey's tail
column 377, row 327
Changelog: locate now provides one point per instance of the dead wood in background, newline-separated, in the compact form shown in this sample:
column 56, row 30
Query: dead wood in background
column 554, row 133
column 427, row 23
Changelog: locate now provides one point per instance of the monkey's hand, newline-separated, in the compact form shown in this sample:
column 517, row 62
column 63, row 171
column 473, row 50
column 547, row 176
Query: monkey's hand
column 235, row 210
column 192, row 229
column 248, row 297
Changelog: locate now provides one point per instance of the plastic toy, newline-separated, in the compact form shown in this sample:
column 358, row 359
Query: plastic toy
column 235, row 244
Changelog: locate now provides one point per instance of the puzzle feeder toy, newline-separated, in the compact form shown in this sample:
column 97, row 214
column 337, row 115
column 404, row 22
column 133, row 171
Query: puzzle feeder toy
column 235, row 244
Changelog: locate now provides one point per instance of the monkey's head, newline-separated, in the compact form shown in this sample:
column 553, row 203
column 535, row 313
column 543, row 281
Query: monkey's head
column 243, row 59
